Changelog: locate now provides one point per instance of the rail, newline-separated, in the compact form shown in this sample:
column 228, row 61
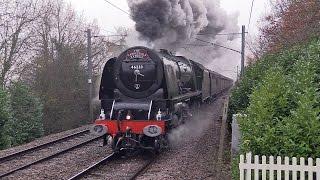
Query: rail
column 93, row 166
column 50, row 156
column 5, row 158
column 143, row 168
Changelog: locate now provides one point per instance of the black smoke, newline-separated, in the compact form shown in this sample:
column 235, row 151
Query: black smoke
column 175, row 22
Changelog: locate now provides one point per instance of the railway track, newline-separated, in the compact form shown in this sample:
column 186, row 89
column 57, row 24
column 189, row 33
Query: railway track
column 13, row 158
column 106, row 161
column 28, row 150
column 143, row 168
column 93, row 166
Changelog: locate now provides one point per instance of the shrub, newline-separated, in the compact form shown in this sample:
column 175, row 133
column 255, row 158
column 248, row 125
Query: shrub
column 239, row 99
column 5, row 118
column 27, row 112
column 282, row 118
column 267, row 103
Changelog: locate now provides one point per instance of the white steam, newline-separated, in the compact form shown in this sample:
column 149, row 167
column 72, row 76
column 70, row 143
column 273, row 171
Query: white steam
column 193, row 127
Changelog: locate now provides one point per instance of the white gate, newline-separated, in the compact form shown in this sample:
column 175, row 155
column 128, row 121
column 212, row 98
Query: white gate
column 287, row 169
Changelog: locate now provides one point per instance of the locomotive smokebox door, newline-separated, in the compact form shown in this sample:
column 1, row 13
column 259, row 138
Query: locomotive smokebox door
column 138, row 72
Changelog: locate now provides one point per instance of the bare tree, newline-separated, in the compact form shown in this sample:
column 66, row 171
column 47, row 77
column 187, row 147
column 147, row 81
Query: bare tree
column 43, row 43
column 16, row 34
column 106, row 47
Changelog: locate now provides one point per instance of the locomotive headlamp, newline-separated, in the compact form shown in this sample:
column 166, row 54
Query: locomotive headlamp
column 129, row 115
column 159, row 115
column 99, row 130
column 152, row 130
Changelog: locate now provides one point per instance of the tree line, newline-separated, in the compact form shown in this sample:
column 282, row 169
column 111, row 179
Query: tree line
column 43, row 68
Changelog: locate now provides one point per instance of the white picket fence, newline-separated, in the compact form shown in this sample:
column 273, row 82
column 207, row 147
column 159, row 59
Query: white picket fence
column 289, row 170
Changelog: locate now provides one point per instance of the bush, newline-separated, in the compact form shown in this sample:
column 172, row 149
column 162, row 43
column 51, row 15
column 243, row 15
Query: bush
column 301, row 135
column 27, row 112
column 239, row 99
column 5, row 118
column 267, row 103
column 283, row 109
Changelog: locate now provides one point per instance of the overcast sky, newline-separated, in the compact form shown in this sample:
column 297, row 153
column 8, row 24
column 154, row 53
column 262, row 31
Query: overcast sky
column 109, row 17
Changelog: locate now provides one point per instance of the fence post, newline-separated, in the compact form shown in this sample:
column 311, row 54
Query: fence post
column 248, row 161
column 271, row 162
column 241, row 167
column 310, row 164
column 302, row 163
column 294, row 172
column 278, row 171
column 318, row 170
column 256, row 170
column 264, row 162
column 286, row 172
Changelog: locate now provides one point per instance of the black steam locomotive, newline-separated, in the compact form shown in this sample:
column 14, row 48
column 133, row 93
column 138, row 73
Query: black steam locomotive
column 145, row 94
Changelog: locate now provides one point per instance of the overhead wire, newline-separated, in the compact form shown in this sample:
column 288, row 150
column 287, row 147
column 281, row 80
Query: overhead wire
column 219, row 34
column 117, row 7
column 218, row 45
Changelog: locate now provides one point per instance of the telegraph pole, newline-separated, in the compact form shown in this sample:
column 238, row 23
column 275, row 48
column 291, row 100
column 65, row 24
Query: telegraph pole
column 242, row 50
column 89, row 73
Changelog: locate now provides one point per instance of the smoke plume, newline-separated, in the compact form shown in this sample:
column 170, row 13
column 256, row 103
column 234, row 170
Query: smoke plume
column 178, row 24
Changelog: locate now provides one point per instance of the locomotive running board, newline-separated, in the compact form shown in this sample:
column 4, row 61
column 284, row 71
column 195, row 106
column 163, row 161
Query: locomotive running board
column 186, row 96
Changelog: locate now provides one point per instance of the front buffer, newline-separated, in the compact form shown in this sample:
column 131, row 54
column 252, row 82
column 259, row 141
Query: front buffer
column 132, row 135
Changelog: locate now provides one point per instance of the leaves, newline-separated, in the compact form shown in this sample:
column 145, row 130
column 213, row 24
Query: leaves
column 282, row 113
column 5, row 118
column 290, row 23
column 27, row 114
column 20, row 116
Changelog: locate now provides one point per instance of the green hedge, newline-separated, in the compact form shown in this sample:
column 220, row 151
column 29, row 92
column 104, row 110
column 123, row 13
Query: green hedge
column 279, row 95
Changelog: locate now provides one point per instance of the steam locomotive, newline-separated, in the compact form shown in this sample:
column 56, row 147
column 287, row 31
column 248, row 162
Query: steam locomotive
column 145, row 94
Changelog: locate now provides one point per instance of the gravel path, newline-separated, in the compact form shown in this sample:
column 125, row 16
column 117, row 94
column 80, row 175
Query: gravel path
column 194, row 156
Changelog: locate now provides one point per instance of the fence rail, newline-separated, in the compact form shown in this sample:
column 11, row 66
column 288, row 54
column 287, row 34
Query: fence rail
column 277, row 168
